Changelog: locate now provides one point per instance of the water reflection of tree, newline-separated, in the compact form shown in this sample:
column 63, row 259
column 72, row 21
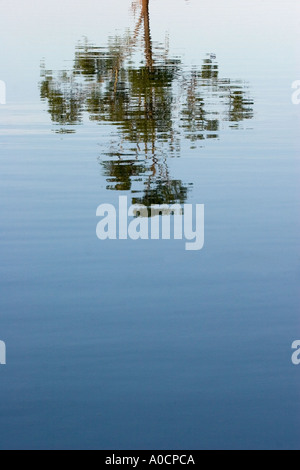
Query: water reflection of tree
column 153, row 104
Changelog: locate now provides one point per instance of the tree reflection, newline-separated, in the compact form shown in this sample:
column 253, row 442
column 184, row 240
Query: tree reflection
column 153, row 102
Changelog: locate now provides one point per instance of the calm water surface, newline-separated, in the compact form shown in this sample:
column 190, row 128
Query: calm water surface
column 142, row 345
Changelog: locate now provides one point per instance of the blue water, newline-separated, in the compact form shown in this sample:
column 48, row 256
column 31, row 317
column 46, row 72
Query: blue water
column 141, row 344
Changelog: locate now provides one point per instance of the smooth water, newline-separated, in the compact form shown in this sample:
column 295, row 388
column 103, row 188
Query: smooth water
column 141, row 344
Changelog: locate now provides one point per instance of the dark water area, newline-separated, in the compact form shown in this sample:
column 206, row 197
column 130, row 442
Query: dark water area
column 124, row 344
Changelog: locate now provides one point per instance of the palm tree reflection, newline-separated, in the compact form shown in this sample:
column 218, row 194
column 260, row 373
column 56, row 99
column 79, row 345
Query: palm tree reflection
column 154, row 103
